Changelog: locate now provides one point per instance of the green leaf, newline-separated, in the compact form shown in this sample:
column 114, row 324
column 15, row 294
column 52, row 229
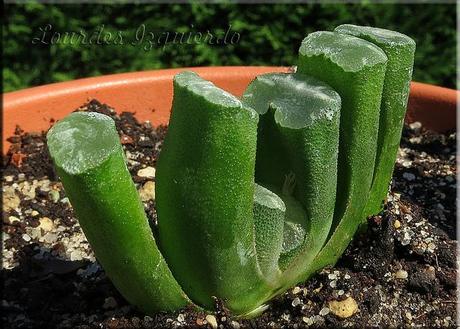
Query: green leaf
column 400, row 51
column 89, row 159
column 204, row 196
column 297, row 150
column 355, row 68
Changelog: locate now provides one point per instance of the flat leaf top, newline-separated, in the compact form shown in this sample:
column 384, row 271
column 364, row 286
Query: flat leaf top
column 298, row 100
column 268, row 199
column 82, row 141
column 352, row 54
column 207, row 90
column 377, row 35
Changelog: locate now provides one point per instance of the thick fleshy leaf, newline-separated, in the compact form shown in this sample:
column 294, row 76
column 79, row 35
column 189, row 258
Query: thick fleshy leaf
column 297, row 159
column 355, row 68
column 89, row 159
column 400, row 50
column 269, row 212
column 204, row 196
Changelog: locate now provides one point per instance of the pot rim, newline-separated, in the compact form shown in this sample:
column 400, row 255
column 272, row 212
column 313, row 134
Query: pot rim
column 149, row 95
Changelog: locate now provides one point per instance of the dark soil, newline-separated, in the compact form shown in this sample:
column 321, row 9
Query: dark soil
column 401, row 272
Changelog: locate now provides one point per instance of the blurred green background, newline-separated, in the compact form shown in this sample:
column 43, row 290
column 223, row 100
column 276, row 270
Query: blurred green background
column 270, row 34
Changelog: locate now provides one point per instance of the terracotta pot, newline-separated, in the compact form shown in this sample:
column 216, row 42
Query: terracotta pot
column 149, row 95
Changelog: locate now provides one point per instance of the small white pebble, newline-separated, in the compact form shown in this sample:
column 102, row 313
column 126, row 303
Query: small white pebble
column 54, row 195
column 347, row 276
column 181, row 318
column 431, row 247
column 148, row 172
column 46, row 224
column 286, row 317
column 35, row 233
column 415, row 140
column 212, row 320
column 415, row 125
column 75, row 255
column 235, row 325
column 407, row 163
column 332, row 276
column 26, row 237
column 147, row 191
column 50, row 237
column 13, row 219
column 406, row 239
column 308, row 320
column 296, row 301
column 296, row 290
column 324, row 311
column 401, row 274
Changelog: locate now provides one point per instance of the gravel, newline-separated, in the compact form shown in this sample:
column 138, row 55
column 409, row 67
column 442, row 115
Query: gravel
column 400, row 272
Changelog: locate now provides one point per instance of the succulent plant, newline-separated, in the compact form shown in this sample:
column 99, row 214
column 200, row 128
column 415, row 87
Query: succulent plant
column 253, row 195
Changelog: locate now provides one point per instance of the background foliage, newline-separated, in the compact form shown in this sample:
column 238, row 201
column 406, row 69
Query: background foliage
column 270, row 34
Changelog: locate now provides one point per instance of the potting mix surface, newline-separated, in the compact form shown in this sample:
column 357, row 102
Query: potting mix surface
column 401, row 272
